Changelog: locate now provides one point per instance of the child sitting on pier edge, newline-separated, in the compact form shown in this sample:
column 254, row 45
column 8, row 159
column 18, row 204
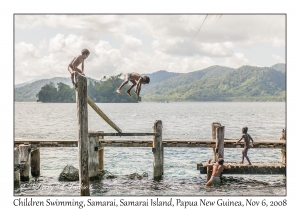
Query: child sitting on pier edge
column 217, row 169
column 247, row 145
column 136, row 80
column 73, row 65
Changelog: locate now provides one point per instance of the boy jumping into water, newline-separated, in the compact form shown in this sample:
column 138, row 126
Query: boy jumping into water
column 73, row 66
column 217, row 169
column 136, row 80
column 247, row 139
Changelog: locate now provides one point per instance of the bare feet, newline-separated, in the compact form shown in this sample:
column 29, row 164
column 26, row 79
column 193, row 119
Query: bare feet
column 128, row 92
column 241, row 162
column 118, row 91
column 249, row 164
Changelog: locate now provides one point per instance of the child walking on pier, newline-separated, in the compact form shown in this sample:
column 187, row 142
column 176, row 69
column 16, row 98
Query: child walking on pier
column 217, row 169
column 136, row 80
column 73, row 65
column 247, row 145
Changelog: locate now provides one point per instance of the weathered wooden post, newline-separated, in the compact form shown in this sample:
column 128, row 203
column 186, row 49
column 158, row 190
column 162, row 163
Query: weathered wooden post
column 25, row 161
column 98, row 157
column 101, row 158
column 35, row 162
column 16, row 167
column 283, row 150
column 157, row 151
column 163, row 159
column 214, row 126
column 83, row 142
column 93, row 157
column 283, row 155
column 220, row 141
column 100, row 153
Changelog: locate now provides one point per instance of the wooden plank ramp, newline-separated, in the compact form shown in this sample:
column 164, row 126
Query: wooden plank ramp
column 255, row 168
column 148, row 143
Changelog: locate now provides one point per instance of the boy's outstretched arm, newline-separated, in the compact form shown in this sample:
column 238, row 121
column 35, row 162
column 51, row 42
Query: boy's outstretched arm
column 239, row 140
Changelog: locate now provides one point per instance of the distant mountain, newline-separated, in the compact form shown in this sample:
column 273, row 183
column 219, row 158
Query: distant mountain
column 184, row 79
column 28, row 92
column 246, row 83
column 22, row 84
column 160, row 76
column 215, row 83
column 279, row 67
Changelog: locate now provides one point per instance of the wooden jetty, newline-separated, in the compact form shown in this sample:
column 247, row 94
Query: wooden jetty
column 271, row 144
column 255, row 168
column 91, row 146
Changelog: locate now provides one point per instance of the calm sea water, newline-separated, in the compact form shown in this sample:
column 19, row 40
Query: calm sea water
column 265, row 120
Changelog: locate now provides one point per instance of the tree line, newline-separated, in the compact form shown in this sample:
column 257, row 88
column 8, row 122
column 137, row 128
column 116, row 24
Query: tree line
column 102, row 91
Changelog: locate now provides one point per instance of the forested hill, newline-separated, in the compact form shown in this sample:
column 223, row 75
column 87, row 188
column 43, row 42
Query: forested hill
column 28, row 92
column 247, row 83
column 216, row 83
column 184, row 79
column 279, row 67
column 161, row 75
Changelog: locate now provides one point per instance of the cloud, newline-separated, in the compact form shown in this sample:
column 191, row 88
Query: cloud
column 142, row 43
column 216, row 28
column 103, row 23
column 129, row 43
column 237, row 60
column 177, row 46
column 278, row 58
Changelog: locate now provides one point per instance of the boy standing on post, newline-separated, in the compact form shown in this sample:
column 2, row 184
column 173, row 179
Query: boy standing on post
column 247, row 139
column 73, row 66
column 136, row 80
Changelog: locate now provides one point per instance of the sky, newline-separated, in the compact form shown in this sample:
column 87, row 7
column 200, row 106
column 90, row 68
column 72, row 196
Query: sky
column 45, row 44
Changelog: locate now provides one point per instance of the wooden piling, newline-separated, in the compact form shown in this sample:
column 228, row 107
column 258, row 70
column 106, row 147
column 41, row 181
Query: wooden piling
column 283, row 150
column 101, row 158
column 283, row 134
column 214, row 126
column 83, row 143
column 35, row 162
column 93, row 158
column 163, row 159
column 25, row 150
column 283, row 155
column 220, row 141
column 157, row 151
column 16, row 171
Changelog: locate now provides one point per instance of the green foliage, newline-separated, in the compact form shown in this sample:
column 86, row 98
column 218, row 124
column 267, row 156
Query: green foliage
column 184, row 79
column 29, row 92
column 104, row 91
column 50, row 94
column 99, row 91
column 247, row 83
